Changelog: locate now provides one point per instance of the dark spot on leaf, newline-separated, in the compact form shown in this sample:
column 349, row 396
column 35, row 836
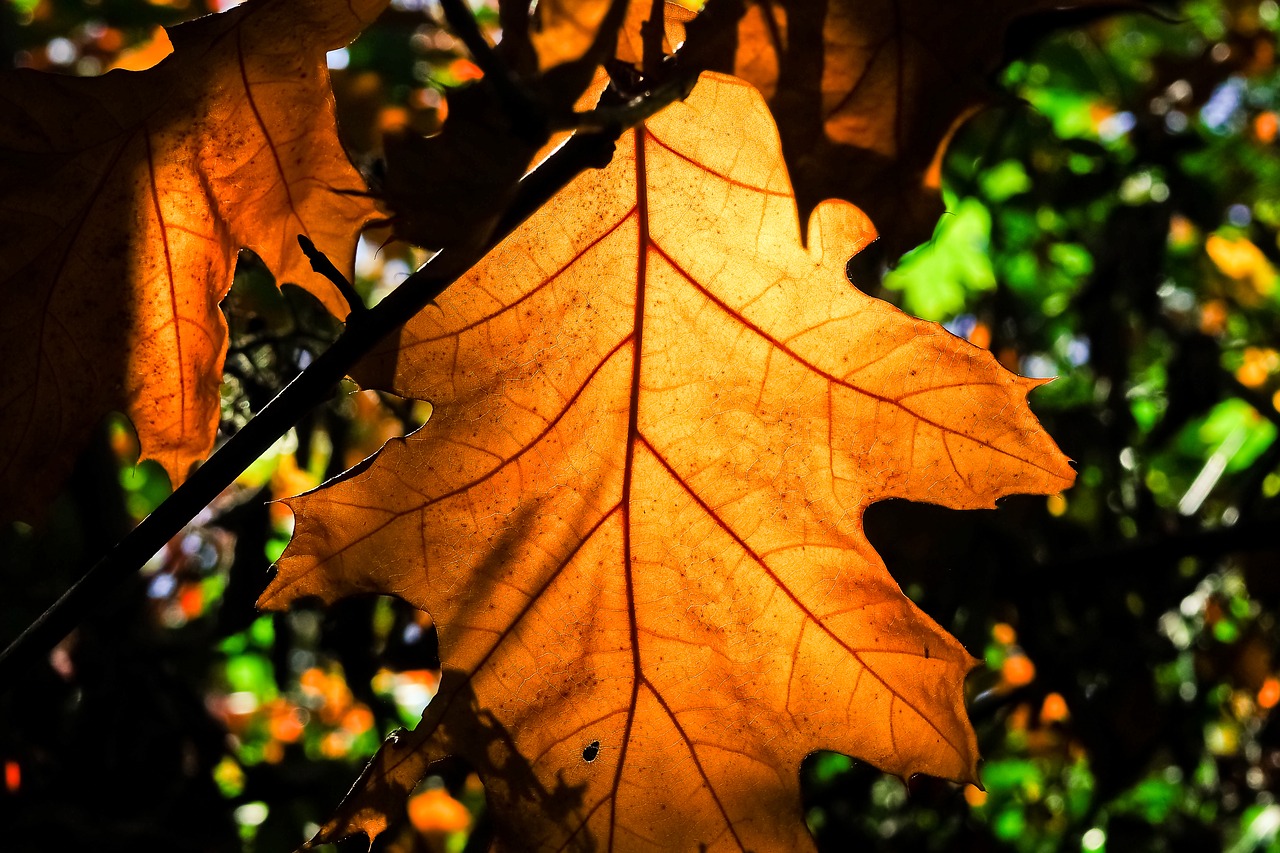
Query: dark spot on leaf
column 591, row 751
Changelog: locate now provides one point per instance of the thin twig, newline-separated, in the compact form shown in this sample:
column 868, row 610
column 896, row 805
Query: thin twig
column 320, row 263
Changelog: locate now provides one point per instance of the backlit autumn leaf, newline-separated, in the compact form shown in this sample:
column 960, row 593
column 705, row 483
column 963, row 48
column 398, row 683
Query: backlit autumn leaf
column 635, row 515
column 447, row 191
column 866, row 93
column 123, row 202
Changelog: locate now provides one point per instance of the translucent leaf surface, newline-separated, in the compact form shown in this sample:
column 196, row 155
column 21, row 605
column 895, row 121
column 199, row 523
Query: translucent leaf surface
column 635, row 515
column 123, row 202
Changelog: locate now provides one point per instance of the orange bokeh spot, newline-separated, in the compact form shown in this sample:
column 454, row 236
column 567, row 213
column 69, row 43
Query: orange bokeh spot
column 273, row 752
column 1269, row 693
column 1213, row 317
column 313, row 680
column 191, row 601
column 288, row 480
column 12, row 776
column 1250, row 375
column 392, row 118
column 1240, row 259
column 124, row 443
column 1020, row 718
column 1259, row 363
column 335, row 745
column 1017, row 670
column 110, row 40
column 286, row 726
column 1265, row 126
column 1100, row 112
column 428, row 678
column 358, row 720
column 1054, row 709
column 980, row 336
column 1004, row 634
column 1181, row 231
column 975, row 796
column 337, row 699
column 435, row 811
column 465, row 69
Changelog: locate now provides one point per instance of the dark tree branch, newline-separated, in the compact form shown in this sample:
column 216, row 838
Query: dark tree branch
column 652, row 33
column 307, row 390
column 583, row 151
column 529, row 120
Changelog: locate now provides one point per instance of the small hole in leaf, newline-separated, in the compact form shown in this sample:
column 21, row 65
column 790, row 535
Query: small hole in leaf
column 591, row 751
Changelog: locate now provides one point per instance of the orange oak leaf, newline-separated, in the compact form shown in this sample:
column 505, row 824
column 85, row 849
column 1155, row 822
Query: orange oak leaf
column 635, row 515
column 123, row 202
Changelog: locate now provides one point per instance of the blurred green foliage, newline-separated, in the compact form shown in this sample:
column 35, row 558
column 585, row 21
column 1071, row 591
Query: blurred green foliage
column 1113, row 224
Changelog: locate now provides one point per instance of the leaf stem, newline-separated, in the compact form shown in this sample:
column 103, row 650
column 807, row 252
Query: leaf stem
column 321, row 264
